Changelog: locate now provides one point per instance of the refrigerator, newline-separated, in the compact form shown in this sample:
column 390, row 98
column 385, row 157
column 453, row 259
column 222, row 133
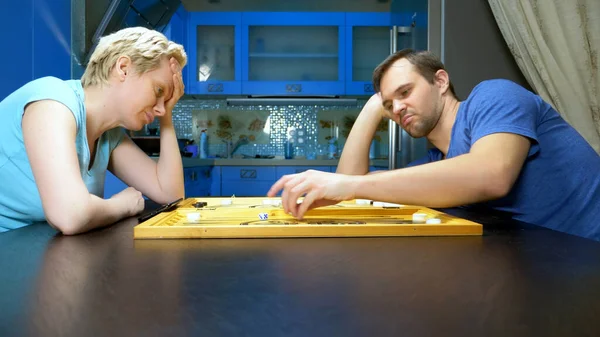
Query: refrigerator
column 409, row 30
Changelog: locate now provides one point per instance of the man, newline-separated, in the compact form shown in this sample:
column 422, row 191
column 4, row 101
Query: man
column 503, row 147
column 58, row 137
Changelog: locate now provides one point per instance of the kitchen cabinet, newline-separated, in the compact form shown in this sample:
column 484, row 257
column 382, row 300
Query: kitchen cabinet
column 293, row 54
column 285, row 170
column 214, row 53
column 247, row 181
column 368, row 43
column 197, row 181
column 177, row 31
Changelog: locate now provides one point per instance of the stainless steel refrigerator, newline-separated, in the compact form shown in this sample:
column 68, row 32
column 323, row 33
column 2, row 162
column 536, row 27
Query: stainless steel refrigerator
column 403, row 149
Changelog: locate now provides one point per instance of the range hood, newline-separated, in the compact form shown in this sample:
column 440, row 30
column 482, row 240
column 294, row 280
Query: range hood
column 105, row 17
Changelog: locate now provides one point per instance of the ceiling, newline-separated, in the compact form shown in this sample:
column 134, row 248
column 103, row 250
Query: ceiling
column 288, row 5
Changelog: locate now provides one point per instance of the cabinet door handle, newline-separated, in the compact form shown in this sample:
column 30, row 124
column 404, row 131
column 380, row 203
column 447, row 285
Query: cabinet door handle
column 293, row 87
column 215, row 87
column 248, row 174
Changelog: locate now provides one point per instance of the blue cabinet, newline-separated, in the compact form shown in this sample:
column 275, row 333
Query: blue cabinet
column 290, row 54
column 285, row 170
column 177, row 31
column 197, row 181
column 214, row 54
column 368, row 43
column 247, row 181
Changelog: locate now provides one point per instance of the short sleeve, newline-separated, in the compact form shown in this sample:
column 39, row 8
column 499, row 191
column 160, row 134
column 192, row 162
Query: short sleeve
column 50, row 88
column 432, row 155
column 114, row 137
column 501, row 106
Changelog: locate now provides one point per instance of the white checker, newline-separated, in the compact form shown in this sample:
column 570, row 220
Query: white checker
column 193, row 217
column 434, row 221
column 363, row 202
column 226, row 202
column 419, row 217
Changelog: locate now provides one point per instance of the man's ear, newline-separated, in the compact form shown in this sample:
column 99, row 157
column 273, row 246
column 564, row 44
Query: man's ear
column 123, row 67
column 442, row 80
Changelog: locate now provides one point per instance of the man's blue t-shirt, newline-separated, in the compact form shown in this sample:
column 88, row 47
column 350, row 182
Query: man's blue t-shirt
column 559, row 185
column 20, row 202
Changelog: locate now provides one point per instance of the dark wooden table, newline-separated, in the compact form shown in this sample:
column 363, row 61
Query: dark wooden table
column 515, row 280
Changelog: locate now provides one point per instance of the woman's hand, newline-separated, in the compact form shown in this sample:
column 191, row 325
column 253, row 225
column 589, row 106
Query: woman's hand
column 178, row 87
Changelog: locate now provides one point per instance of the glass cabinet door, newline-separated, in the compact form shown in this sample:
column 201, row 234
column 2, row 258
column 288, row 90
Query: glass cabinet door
column 215, row 48
column 369, row 43
column 293, row 53
column 370, row 46
column 214, row 53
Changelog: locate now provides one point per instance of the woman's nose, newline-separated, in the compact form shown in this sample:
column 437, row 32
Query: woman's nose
column 159, row 108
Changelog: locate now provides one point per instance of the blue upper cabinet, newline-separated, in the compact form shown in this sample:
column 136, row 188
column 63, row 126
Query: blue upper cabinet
column 368, row 43
column 177, row 31
column 293, row 54
column 214, row 58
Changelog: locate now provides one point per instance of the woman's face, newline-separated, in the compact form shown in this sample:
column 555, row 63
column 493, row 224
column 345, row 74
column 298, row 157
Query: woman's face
column 143, row 96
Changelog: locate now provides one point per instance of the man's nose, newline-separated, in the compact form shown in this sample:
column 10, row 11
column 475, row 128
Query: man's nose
column 399, row 107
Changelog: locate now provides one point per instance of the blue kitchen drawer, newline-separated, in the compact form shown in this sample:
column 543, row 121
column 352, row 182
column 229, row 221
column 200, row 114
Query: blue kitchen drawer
column 248, row 173
column 283, row 170
column 246, row 188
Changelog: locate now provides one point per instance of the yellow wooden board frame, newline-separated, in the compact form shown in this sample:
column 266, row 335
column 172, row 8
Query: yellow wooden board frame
column 346, row 219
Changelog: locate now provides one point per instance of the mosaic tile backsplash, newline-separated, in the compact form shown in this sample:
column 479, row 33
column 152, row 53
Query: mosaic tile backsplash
column 223, row 122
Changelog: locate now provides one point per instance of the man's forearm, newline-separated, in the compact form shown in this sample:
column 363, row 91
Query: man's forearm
column 169, row 168
column 448, row 183
column 355, row 156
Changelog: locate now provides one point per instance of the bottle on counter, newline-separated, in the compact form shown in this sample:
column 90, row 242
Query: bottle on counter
column 332, row 148
column 203, row 144
column 289, row 149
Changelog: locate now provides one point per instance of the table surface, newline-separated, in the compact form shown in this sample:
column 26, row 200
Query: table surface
column 515, row 280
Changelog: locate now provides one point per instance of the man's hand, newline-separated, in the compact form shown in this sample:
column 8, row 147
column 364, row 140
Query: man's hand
column 178, row 87
column 319, row 189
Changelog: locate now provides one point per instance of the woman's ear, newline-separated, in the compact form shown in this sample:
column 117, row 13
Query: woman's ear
column 123, row 67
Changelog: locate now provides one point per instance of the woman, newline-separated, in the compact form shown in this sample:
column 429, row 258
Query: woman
column 58, row 138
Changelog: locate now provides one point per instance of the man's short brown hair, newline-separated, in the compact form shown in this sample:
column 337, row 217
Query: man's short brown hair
column 425, row 62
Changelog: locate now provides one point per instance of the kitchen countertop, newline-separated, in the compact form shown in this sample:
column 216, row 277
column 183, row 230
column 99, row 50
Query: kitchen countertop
column 515, row 280
column 192, row 162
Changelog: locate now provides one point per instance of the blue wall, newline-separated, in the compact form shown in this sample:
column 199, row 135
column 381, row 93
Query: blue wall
column 36, row 39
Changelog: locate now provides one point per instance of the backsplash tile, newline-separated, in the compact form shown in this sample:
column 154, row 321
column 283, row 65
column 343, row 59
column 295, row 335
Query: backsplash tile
column 189, row 112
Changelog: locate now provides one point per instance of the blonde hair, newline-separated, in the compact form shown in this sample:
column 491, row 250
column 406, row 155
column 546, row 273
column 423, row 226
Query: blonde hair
column 143, row 46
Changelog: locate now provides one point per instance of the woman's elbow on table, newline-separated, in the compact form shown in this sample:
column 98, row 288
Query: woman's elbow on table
column 69, row 220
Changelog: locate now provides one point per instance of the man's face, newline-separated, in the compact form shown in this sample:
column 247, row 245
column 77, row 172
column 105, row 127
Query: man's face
column 409, row 100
